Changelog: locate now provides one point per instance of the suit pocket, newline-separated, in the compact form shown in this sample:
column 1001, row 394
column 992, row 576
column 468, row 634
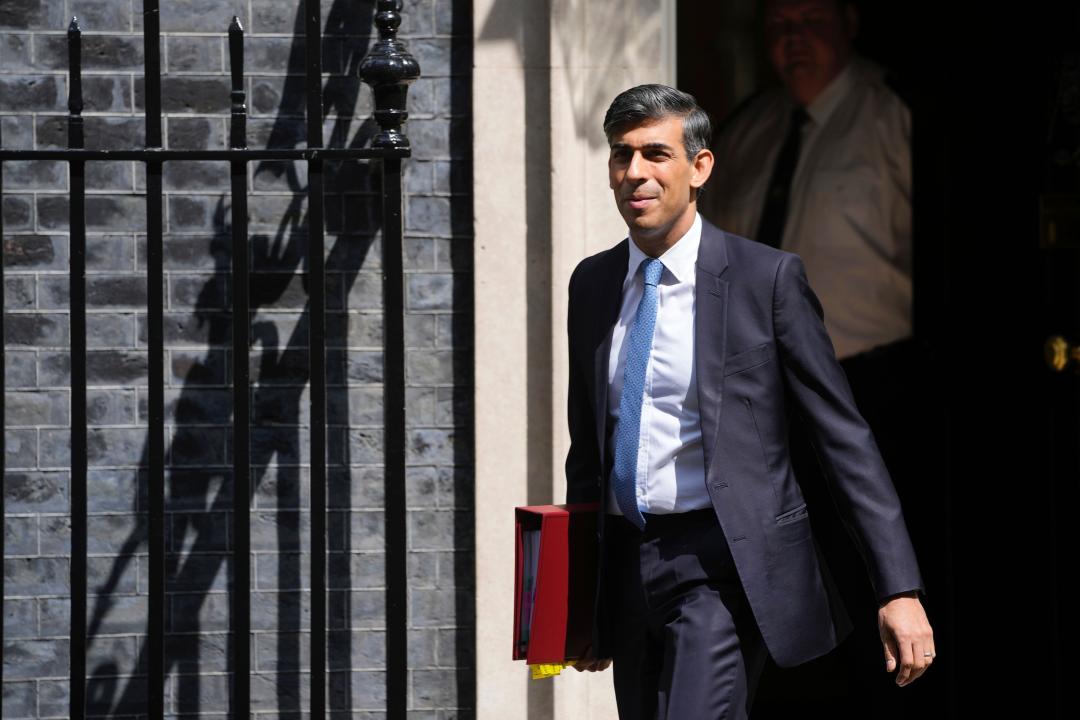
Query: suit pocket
column 793, row 515
column 793, row 526
column 747, row 359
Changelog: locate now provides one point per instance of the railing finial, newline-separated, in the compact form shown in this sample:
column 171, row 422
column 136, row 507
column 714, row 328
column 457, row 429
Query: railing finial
column 75, row 99
column 238, row 126
column 389, row 68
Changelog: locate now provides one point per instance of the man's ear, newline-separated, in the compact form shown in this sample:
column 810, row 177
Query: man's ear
column 703, row 165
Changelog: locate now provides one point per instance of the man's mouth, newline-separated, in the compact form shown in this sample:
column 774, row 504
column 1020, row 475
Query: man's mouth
column 640, row 203
column 800, row 62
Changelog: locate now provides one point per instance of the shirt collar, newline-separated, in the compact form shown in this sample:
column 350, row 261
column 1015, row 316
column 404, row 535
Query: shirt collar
column 828, row 99
column 680, row 260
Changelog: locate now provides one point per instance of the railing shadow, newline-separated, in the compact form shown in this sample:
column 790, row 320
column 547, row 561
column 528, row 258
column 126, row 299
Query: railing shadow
column 200, row 499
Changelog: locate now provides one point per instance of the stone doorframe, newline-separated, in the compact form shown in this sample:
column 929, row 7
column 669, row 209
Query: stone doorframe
column 543, row 75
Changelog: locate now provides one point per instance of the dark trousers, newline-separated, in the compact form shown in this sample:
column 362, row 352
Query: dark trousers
column 684, row 643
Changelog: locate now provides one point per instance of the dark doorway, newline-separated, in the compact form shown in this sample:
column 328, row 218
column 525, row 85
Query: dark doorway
column 995, row 102
column 998, row 137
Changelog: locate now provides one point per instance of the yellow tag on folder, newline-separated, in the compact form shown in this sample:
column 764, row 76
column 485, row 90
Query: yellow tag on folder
column 546, row 670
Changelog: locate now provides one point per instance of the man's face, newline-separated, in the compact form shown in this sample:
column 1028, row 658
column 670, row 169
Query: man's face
column 809, row 42
column 652, row 178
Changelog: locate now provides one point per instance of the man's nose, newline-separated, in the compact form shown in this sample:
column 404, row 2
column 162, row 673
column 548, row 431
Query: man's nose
column 635, row 169
column 791, row 28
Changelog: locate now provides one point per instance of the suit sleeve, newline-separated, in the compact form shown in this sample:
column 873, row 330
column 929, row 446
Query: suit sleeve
column 583, row 458
column 853, row 468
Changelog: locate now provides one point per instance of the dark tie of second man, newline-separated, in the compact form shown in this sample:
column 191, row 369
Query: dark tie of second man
column 774, row 214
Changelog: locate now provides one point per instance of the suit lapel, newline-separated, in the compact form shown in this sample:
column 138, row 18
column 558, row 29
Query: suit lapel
column 608, row 302
column 710, row 334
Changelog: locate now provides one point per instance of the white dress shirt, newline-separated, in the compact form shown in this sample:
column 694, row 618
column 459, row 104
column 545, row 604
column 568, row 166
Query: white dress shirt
column 849, row 212
column 671, row 464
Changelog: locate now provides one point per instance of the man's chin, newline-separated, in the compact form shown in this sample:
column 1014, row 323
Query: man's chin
column 639, row 223
column 645, row 231
column 801, row 77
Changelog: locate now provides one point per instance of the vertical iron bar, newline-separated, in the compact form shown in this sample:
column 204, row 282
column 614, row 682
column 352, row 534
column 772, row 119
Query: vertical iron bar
column 3, row 421
column 77, row 326
column 389, row 69
column 317, row 354
column 240, row 598
column 152, row 70
column 394, row 428
column 155, row 641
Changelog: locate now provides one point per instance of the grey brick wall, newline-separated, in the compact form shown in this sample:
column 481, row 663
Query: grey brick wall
column 33, row 89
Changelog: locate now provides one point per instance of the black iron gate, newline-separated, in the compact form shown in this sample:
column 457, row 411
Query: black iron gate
column 389, row 69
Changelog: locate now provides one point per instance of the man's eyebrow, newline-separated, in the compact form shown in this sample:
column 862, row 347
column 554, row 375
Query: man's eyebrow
column 646, row 146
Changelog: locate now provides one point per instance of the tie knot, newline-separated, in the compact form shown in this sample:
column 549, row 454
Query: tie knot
column 653, row 269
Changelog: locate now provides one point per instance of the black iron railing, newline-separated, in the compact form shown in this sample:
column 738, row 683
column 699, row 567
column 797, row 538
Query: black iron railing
column 389, row 69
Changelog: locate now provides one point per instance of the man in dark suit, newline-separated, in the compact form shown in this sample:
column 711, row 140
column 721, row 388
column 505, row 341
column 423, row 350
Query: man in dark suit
column 689, row 350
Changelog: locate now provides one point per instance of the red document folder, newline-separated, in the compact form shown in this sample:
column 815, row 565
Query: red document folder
column 558, row 626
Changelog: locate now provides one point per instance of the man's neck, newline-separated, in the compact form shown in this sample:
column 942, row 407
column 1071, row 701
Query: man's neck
column 655, row 246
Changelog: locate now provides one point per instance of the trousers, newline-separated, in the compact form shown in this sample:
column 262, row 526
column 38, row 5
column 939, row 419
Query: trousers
column 684, row 643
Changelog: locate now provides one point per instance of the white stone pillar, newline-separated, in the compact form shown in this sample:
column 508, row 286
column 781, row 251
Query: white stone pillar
column 544, row 73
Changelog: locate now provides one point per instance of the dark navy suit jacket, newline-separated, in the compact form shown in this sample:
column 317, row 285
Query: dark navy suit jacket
column 761, row 354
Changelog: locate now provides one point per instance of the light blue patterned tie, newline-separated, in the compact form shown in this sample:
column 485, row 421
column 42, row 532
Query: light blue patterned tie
column 628, row 427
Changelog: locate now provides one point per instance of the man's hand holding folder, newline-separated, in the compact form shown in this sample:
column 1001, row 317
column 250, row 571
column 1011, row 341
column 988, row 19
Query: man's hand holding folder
column 592, row 664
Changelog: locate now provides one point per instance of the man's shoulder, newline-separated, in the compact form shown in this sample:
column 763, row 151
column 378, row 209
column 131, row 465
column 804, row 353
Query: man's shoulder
column 888, row 88
column 750, row 110
column 744, row 253
column 600, row 262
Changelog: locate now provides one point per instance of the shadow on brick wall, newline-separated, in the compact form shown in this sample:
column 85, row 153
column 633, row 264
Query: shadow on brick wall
column 200, row 498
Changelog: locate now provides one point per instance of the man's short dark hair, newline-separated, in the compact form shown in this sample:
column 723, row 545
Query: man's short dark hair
column 644, row 103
